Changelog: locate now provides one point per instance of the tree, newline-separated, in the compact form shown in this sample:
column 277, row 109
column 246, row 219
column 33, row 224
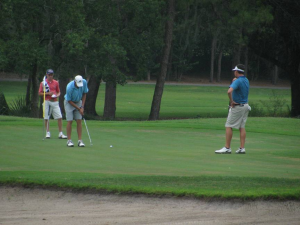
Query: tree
column 279, row 43
column 156, row 102
column 123, row 41
column 41, row 34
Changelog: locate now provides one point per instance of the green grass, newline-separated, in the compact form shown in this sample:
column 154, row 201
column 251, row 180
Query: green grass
column 134, row 100
column 173, row 157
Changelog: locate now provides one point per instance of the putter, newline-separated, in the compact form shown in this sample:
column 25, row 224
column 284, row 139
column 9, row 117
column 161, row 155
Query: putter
column 87, row 131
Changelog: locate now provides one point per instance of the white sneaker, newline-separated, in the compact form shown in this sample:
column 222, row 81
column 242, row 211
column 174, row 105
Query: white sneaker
column 80, row 144
column 62, row 136
column 223, row 150
column 48, row 135
column 70, row 143
column 241, row 151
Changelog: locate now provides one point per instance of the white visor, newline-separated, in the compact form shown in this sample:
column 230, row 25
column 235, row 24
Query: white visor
column 236, row 68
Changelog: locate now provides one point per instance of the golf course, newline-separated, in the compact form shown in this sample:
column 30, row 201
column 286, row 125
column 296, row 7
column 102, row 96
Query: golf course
column 165, row 158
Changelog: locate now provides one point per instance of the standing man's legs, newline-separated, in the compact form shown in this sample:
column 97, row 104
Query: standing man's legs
column 69, row 117
column 47, row 113
column 46, row 125
column 228, row 136
column 242, row 137
column 79, row 129
column 69, row 129
column 59, row 122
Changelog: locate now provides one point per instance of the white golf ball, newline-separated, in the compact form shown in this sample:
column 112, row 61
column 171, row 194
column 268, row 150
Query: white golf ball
column 110, row 146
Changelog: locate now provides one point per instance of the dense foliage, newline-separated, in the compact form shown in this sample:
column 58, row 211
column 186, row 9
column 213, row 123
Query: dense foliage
column 113, row 40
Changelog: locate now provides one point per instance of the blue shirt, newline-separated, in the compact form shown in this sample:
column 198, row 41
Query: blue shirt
column 240, row 90
column 74, row 93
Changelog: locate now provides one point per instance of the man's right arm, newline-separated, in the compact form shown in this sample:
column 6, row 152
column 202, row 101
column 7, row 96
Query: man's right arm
column 229, row 92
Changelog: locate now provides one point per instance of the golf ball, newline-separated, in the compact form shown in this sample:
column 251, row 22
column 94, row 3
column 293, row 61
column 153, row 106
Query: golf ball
column 110, row 146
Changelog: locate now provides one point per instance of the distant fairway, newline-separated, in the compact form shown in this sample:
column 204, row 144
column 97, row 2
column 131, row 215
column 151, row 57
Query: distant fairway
column 179, row 101
column 164, row 157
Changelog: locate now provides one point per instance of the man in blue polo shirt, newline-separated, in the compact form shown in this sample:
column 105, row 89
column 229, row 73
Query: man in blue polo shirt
column 239, row 109
column 74, row 106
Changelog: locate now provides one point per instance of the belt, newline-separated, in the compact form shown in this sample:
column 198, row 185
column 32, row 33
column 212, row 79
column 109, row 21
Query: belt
column 52, row 100
column 241, row 104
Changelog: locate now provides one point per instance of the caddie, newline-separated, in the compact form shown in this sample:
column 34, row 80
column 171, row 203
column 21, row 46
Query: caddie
column 51, row 105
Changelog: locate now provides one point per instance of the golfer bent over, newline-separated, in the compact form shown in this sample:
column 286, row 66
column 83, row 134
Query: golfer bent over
column 52, row 92
column 74, row 106
column 239, row 109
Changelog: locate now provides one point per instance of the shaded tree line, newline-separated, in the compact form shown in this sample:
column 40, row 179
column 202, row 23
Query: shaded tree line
column 114, row 40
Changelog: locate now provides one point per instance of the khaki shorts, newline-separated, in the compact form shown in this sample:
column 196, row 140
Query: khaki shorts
column 52, row 108
column 237, row 116
column 71, row 112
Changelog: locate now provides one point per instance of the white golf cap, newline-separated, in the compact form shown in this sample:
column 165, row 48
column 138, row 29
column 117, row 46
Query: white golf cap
column 79, row 81
column 238, row 69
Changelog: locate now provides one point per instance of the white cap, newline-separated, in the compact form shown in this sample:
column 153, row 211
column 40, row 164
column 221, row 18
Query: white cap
column 238, row 69
column 79, row 81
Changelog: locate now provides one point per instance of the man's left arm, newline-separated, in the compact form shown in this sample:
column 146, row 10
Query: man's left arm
column 57, row 90
column 85, row 90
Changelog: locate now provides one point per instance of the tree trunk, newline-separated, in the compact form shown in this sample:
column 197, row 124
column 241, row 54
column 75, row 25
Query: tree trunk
column 34, row 93
column 41, row 107
column 246, row 61
column 295, row 82
column 237, row 56
column 28, row 91
column 219, row 66
column 90, row 103
column 148, row 75
column 212, row 57
column 275, row 75
column 63, row 82
column 156, row 102
column 110, row 100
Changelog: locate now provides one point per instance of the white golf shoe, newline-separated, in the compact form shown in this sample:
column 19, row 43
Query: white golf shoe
column 241, row 151
column 80, row 144
column 48, row 135
column 70, row 143
column 62, row 136
column 223, row 150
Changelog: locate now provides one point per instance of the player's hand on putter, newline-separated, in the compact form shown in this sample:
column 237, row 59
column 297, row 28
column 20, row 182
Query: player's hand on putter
column 81, row 110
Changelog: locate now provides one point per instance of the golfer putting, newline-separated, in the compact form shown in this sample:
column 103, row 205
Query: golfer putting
column 49, row 89
column 74, row 106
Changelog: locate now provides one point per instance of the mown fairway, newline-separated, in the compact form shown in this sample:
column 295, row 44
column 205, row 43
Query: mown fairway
column 164, row 157
column 179, row 101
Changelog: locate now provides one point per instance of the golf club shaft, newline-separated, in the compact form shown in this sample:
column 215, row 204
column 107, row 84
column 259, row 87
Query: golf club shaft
column 87, row 131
